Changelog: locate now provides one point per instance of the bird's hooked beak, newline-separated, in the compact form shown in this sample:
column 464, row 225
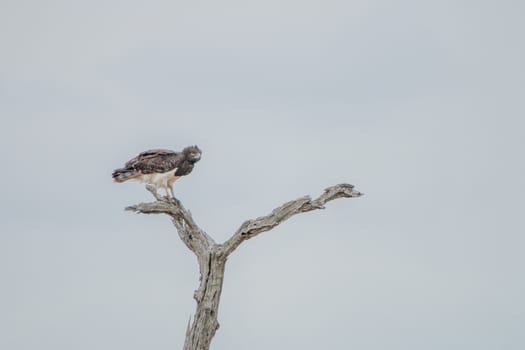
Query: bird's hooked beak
column 196, row 156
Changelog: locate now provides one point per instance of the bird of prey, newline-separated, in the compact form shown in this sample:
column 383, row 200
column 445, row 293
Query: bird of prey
column 159, row 168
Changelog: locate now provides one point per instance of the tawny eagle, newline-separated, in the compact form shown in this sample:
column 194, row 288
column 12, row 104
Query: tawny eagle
column 159, row 168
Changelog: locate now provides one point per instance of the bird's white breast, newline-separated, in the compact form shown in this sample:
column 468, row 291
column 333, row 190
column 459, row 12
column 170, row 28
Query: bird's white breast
column 160, row 180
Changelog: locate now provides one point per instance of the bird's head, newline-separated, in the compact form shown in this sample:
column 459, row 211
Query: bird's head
column 193, row 153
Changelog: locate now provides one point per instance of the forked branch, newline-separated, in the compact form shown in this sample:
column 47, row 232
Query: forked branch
column 212, row 256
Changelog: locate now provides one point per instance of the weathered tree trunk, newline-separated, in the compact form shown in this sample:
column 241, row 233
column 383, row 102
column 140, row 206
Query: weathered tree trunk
column 212, row 256
column 205, row 323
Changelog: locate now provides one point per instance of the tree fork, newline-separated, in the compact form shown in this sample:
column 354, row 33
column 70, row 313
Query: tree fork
column 212, row 256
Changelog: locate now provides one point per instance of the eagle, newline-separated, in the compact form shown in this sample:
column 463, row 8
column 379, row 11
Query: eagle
column 159, row 168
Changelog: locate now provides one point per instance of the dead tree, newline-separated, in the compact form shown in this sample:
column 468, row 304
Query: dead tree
column 212, row 256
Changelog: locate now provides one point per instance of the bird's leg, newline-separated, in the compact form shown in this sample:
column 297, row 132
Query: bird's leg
column 168, row 195
column 153, row 191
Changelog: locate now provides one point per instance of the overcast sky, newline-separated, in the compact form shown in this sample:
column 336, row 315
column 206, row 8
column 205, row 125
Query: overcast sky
column 419, row 104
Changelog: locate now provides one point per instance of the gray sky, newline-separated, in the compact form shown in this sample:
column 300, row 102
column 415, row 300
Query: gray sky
column 418, row 104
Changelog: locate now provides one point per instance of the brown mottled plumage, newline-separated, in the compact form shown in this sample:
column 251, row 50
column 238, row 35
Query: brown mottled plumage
column 159, row 168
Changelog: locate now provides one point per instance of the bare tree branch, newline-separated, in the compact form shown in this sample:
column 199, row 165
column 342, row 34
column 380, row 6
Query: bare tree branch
column 252, row 228
column 198, row 241
column 212, row 257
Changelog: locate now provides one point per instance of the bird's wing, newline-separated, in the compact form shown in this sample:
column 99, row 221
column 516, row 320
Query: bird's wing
column 155, row 161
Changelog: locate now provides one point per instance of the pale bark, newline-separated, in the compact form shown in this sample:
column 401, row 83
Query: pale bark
column 212, row 256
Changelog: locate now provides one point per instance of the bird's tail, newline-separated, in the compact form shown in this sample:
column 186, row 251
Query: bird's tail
column 124, row 174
